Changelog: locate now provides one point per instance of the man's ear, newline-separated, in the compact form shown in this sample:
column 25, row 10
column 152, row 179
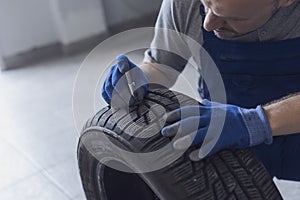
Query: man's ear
column 286, row 3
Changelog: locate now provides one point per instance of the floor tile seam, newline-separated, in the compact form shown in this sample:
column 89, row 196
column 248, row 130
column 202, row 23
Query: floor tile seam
column 79, row 195
column 56, row 184
column 25, row 155
column 46, row 174
column 40, row 169
column 19, row 181
column 30, row 159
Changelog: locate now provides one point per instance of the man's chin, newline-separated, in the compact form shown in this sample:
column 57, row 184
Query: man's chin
column 225, row 34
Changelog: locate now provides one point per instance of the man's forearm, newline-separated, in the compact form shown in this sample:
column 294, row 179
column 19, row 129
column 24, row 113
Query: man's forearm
column 157, row 75
column 284, row 115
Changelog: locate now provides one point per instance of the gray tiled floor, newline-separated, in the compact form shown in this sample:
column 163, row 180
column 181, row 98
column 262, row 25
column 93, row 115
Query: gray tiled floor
column 14, row 166
column 35, row 187
column 37, row 134
column 38, row 138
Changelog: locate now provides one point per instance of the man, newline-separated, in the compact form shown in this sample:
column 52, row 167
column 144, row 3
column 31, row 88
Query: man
column 255, row 45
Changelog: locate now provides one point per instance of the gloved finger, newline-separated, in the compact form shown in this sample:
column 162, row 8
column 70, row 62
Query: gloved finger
column 182, row 127
column 107, row 86
column 212, row 104
column 207, row 149
column 104, row 94
column 193, row 138
column 118, row 101
column 123, row 92
column 171, row 130
column 184, row 142
column 124, row 64
column 186, row 111
column 116, row 75
column 205, row 102
column 119, row 87
column 199, row 137
column 139, row 81
column 119, row 81
column 196, row 155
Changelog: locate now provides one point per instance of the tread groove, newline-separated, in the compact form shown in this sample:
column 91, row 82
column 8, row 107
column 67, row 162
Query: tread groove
column 238, row 180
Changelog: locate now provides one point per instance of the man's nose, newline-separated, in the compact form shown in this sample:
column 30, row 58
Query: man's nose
column 212, row 22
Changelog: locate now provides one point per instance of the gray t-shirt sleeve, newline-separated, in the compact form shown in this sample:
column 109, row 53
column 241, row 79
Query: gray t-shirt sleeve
column 168, row 47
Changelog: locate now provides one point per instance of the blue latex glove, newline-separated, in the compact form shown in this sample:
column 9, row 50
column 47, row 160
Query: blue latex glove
column 116, row 88
column 241, row 128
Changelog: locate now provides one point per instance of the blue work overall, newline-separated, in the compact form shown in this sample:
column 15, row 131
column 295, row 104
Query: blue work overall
column 254, row 74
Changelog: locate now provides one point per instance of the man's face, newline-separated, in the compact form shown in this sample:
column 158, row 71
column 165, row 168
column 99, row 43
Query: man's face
column 234, row 18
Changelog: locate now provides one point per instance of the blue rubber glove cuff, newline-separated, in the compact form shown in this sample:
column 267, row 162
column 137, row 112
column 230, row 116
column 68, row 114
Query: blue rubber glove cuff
column 258, row 126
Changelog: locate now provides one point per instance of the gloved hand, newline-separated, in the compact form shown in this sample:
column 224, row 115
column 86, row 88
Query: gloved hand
column 116, row 86
column 242, row 128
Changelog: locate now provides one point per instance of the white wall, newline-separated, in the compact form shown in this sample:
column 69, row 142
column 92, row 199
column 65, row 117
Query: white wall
column 78, row 19
column 29, row 24
column 118, row 11
column 25, row 24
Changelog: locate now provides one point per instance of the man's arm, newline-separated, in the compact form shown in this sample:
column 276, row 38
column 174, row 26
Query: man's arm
column 284, row 115
column 170, row 51
column 164, row 76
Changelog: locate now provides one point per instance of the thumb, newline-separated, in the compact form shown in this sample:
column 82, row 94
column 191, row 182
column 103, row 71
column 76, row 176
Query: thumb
column 205, row 102
column 124, row 64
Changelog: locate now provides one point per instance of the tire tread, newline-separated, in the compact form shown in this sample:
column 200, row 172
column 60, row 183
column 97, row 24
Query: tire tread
column 228, row 174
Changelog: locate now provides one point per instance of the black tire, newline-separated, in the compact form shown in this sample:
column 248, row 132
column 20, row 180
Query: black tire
column 228, row 174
